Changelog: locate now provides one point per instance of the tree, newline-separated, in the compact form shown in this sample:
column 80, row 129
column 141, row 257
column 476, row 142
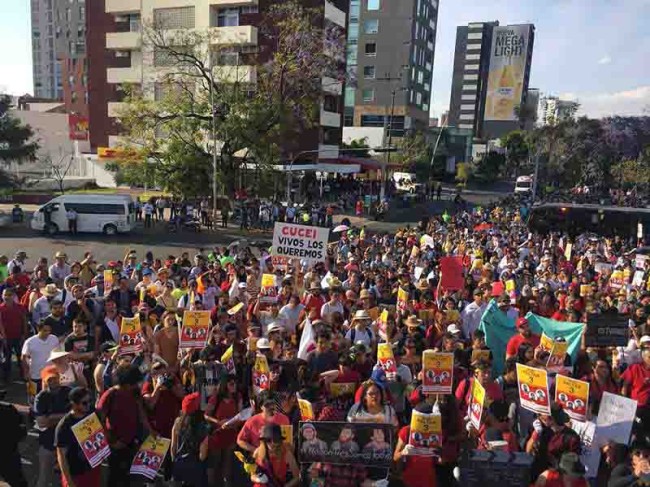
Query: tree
column 59, row 166
column 16, row 142
column 412, row 150
column 631, row 172
column 356, row 145
column 517, row 150
column 526, row 114
column 205, row 104
column 490, row 166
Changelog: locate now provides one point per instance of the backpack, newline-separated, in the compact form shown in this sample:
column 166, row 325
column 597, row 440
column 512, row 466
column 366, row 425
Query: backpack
column 353, row 334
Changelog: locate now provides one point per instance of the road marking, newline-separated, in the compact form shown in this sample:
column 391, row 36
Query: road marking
column 25, row 461
column 33, row 433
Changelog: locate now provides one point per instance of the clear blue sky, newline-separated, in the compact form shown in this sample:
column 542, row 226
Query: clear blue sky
column 596, row 51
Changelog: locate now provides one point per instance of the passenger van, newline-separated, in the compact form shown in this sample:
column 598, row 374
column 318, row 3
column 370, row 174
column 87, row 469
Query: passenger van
column 109, row 214
column 524, row 184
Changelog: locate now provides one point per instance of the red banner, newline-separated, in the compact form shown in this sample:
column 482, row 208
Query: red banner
column 77, row 127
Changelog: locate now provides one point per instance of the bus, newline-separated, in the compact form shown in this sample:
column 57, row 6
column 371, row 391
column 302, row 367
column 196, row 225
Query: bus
column 576, row 219
column 98, row 213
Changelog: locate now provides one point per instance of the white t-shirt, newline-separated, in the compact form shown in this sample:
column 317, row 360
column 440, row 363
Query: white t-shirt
column 329, row 308
column 291, row 317
column 39, row 351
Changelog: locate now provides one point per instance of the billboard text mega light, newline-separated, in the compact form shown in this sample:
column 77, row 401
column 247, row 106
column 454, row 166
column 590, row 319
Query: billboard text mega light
column 507, row 70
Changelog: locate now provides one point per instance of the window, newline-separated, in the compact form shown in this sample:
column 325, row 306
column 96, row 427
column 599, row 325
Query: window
column 369, row 72
column 368, row 95
column 96, row 209
column 371, row 48
column 371, row 26
column 174, row 18
column 349, row 96
column 228, row 17
column 354, row 10
column 82, row 13
column 227, row 57
column 68, row 15
column 373, row 5
column 134, row 23
column 353, row 32
column 252, row 9
column 418, row 98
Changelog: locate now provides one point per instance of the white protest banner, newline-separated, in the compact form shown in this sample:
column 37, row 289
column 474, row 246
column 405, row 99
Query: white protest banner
column 300, row 242
column 615, row 419
column 639, row 261
column 590, row 456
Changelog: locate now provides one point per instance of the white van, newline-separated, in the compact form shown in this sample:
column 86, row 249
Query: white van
column 524, row 184
column 110, row 214
column 407, row 182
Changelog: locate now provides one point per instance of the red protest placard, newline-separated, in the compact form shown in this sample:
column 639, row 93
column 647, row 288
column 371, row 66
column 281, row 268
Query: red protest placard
column 451, row 270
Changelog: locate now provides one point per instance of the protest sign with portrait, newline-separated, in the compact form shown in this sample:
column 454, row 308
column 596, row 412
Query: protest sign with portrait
column 194, row 332
column 533, row 389
column 573, row 396
column 426, row 433
column 437, row 372
column 91, row 437
column 150, row 456
column 131, row 335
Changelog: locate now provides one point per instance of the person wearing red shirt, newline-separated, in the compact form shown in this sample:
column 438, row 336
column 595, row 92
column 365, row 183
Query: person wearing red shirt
column 249, row 437
column 13, row 328
column 163, row 396
column 636, row 381
column 418, row 470
column 223, row 405
column 314, row 301
column 600, row 381
column 482, row 373
column 524, row 336
column 19, row 281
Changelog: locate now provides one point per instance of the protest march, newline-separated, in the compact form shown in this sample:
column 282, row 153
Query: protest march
column 464, row 351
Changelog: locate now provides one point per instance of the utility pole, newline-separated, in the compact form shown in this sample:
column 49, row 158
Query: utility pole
column 388, row 130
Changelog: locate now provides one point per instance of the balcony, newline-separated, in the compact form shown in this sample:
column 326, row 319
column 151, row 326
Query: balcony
column 328, row 151
column 114, row 108
column 330, row 85
column 122, row 6
column 124, row 75
column 239, row 35
column 329, row 119
column 123, row 40
column 235, row 74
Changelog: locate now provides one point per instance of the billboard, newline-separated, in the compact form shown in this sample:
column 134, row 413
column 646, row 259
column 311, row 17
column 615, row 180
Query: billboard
column 507, row 70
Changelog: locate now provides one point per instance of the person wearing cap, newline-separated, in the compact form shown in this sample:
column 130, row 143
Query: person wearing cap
column 189, row 444
column 550, row 439
column 524, row 335
column 249, row 437
column 50, row 405
column 19, row 261
column 274, row 459
column 360, row 331
column 75, row 469
column 60, row 269
column 41, row 307
column 472, row 314
column 636, row 381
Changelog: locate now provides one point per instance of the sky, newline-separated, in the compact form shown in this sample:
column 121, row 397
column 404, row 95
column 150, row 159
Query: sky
column 592, row 51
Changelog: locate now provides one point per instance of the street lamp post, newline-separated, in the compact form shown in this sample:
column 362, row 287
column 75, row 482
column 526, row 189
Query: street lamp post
column 433, row 156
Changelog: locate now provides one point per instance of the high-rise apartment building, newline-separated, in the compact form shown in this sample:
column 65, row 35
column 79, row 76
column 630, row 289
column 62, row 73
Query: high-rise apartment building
column 552, row 110
column 390, row 52
column 234, row 36
column 491, row 75
column 58, row 51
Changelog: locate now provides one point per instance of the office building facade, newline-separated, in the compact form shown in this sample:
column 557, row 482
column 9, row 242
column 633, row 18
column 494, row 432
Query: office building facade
column 551, row 110
column 390, row 54
column 59, row 52
column 490, row 79
column 232, row 25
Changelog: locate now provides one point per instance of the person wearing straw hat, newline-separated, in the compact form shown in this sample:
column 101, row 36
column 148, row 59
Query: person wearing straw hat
column 60, row 269
column 71, row 374
column 42, row 306
column 360, row 331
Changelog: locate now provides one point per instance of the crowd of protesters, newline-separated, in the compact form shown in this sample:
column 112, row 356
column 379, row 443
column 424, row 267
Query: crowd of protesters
column 61, row 321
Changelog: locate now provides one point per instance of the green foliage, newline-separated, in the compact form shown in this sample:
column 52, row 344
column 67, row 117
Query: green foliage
column 490, row 167
column 203, row 106
column 356, row 145
column 600, row 153
column 15, row 138
column 412, row 149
